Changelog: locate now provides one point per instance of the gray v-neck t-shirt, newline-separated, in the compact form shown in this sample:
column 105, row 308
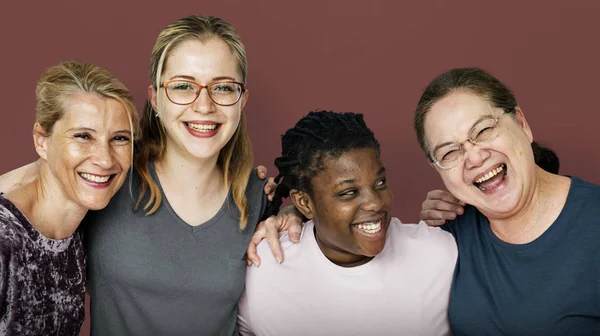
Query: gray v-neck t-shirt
column 157, row 275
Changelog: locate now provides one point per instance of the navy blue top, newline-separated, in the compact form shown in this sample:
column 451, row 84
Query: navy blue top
column 550, row 286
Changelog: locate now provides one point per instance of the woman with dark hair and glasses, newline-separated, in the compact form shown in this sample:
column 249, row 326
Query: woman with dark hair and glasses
column 528, row 238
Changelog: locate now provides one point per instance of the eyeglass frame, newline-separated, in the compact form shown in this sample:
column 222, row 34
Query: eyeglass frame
column 201, row 87
column 461, row 144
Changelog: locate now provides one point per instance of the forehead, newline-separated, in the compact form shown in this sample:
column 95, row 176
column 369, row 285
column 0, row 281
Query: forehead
column 94, row 111
column 351, row 165
column 451, row 117
column 202, row 59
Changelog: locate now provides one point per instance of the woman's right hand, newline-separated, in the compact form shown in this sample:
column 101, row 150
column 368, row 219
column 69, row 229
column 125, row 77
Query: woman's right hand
column 288, row 219
column 440, row 206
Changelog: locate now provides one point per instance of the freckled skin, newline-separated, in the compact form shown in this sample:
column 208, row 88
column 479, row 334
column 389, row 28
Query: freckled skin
column 335, row 207
column 93, row 137
column 202, row 61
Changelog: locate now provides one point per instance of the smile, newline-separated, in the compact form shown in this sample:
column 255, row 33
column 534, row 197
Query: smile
column 202, row 127
column 491, row 179
column 96, row 178
column 370, row 227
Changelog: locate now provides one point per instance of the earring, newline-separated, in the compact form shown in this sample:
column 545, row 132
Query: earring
column 156, row 114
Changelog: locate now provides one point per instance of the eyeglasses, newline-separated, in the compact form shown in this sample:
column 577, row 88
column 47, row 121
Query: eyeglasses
column 450, row 155
column 183, row 92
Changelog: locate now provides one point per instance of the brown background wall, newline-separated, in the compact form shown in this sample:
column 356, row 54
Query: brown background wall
column 373, row 57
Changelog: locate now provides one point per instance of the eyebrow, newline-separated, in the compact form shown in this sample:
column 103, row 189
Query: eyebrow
column 214, row 79
column 87, row 129
column 350, row 181
column 470, row 129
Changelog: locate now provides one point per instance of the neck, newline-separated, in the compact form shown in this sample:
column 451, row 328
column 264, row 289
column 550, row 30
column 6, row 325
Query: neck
column 189, row 173
column 44, row 202
column 338, row 256
column 540, row 209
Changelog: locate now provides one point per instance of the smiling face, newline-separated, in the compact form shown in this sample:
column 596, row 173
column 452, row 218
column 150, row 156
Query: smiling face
column 350, row 204
column 202, row 128
column 497, row 177
column 89, row 149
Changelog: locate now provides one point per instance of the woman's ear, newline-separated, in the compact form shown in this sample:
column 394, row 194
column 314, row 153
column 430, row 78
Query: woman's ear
column 244, row 98
column 520, row 116
column 302, row 202
column 40, row 140
column 152, row 96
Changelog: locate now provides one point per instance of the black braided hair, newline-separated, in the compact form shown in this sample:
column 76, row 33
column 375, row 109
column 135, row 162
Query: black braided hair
column 318, row 136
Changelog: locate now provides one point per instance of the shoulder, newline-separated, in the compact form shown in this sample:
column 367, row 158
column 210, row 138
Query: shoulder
column 11, row 229
column 291, row 250
column 585, row 191
column 255, row 185
column 423, row 235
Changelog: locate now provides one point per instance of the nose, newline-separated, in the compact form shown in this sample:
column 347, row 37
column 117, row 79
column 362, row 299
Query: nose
column 372, row 202
column 203, row 104
column 475, row 156
column 103, row 156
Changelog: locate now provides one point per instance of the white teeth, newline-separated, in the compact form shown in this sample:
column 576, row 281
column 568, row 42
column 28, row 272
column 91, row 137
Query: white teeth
column 95, row 178
column 202, row 128
column 489, row 175
column 370, row 227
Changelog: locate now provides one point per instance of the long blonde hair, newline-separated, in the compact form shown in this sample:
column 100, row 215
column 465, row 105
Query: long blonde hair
column 236, row 157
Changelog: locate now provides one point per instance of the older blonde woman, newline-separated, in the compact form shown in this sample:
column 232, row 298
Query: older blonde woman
column 85, row 121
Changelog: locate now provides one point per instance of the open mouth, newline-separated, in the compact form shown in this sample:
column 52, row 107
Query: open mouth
column 372, row 227
column 202, row 128
column 97, row 179
column 492, row 178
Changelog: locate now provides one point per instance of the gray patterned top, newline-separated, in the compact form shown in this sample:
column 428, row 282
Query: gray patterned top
column 42, row 280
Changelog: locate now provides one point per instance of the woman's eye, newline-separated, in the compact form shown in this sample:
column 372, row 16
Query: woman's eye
column 382, row 182
column 222, row 88
column 348, row 193
column 82, row 136
column 483, row 134
column 181, row 86
column 121, row 138
column 450, row 155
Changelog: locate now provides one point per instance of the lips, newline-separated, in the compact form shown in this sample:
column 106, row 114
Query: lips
column 370, row 226
column 97, row 180
column 492, row 178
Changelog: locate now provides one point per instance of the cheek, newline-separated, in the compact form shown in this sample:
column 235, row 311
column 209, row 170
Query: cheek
column 123, row 156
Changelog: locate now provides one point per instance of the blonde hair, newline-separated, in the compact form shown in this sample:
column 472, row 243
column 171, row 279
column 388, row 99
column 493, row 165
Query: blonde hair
column 236, row 157
column 58, row 84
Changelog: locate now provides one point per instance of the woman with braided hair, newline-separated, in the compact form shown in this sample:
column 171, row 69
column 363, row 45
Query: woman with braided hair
column 356, row 270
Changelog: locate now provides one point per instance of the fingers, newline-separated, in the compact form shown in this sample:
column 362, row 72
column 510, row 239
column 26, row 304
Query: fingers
column 270, row 187
column 294, row 228
column 444, row 196
column 437, row 215
column 273, row 238
column 261, row 171
column 435, row 222
column 251, row 254
column 442, row 206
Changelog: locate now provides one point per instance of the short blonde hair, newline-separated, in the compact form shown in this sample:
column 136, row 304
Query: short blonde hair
column 58, row 84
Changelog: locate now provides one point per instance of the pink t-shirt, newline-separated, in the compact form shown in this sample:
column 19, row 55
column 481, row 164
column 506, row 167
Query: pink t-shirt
column 404, row 290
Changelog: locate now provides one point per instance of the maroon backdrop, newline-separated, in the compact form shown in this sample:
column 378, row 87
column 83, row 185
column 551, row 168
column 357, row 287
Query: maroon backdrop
column 373, row 57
